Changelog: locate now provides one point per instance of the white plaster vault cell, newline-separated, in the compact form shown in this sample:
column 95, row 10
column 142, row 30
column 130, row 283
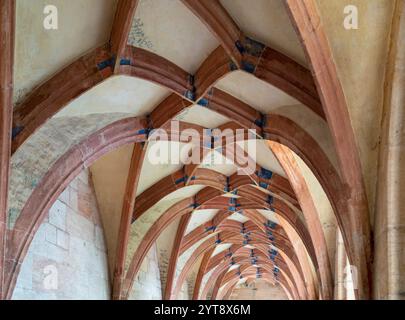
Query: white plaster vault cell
column 263, row 155
column 202, row 116
column 199, row 217
column 120, row 94
column 238, row 217
column 221, row 248
column 234, row 267
column 39, row 53
column 255, row 92
column 270, row 215
column 109, row 175
column 217, row 162
column 169, row 29
column 267, row 21
column 153, row 172
column 314, row 125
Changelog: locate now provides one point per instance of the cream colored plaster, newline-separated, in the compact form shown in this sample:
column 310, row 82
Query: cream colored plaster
column 238, row 217
column 314, row 126
column 40, row 53
column 121, row 94
column 269, row 215
column 169, row 28
column 262, row 155
column 200, row 217
column 152, row 171
column 267, row 21
column 255, row 92
column 217, row 162
column 109, row 175
column 221, row 248
column 202, row 116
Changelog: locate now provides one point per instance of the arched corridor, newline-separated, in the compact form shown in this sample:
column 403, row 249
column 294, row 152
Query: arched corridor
column 205, row 150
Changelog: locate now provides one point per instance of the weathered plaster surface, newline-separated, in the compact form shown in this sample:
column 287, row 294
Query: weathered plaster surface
column 118, row 94
column 35, row 157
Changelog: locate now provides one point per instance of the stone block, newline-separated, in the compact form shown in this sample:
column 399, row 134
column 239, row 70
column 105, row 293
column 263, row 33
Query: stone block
column 62, row 239
column 80, row 227
column 57, row 215
column 73, row 200
column 50, row 233
column 85, row 201
column 99, row 239
column 65, row 196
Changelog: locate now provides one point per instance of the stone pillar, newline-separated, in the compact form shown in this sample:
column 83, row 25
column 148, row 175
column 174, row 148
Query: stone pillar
column 389, row 227
column 340, row 264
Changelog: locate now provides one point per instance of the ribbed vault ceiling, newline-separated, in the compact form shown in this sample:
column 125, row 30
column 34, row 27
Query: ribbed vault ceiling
column 214, row 228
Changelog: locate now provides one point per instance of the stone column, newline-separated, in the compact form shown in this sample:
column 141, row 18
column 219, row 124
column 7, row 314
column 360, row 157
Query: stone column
column 340, row 264
column 389, row 227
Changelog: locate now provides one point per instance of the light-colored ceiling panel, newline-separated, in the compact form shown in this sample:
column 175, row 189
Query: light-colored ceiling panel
column 162, row 159
column 238, row 217
column 267, row 21
column 315, row 126
column 217, row 162
column 269, row 215
column 221, row 248
column 200, row 217
column 235, row 266
column 169, row 29
column 262, row 155
column 109, row 174
column 117, row 94
column 40, row 53
column 202, row 116
column 255, row 92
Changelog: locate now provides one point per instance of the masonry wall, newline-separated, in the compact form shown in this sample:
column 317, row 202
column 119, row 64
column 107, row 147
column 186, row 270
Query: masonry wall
column 147, row 285
column 67, row 258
